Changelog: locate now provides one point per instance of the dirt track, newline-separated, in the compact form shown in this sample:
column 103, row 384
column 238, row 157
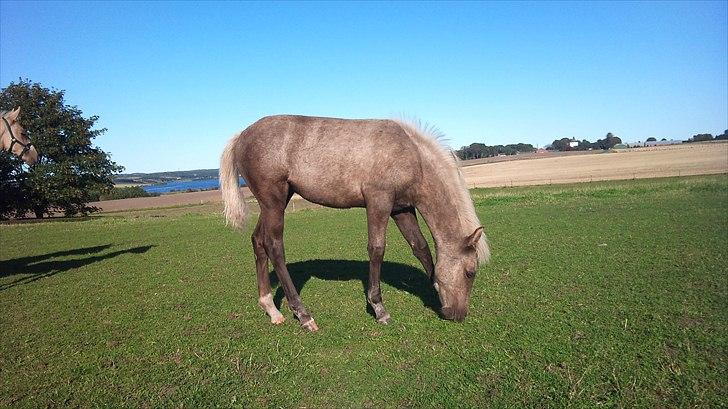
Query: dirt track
column 676, row 160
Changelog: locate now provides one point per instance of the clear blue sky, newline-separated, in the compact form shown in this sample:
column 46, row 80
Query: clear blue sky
column 173, row 81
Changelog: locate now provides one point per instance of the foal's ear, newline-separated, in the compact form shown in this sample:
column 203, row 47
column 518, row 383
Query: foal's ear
column 13, row 115
column 472, row 240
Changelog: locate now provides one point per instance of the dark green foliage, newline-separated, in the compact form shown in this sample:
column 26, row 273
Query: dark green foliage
column 126, row 192
column 10, row 176
column 607, row 143
column 71, row 171
column 562, row 144
column 701, row 137
column 479, row 150
column 651, row 139
column 584, row 145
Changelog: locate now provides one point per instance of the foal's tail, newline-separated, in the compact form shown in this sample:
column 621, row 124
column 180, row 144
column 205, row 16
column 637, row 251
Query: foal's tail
column 236, row 211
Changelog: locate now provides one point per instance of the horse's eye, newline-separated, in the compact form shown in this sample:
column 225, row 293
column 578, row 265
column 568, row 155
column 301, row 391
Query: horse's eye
column 470, row 273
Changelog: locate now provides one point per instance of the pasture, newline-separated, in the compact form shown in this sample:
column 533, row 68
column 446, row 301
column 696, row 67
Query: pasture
column 610, row 293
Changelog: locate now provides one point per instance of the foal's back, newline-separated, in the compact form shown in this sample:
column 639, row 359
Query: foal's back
column 334, row 162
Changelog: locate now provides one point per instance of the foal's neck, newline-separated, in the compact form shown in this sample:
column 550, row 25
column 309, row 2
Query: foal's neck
column 436, row 203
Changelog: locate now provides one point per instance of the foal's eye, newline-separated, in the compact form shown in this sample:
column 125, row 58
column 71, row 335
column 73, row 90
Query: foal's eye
column 470, row 273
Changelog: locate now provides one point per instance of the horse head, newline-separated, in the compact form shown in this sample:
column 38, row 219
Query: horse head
column 14, row 138
column 455, row 274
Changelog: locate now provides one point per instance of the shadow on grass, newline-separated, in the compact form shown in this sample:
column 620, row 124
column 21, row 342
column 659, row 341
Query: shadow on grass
column 42, row 266
column 52, row 219
column 397, row 275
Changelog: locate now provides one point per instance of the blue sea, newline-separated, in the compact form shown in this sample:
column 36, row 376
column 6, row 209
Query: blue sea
column 184, row 185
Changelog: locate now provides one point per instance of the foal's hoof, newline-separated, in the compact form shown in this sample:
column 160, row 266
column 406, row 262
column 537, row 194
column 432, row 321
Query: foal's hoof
column 277, row 320
column 310, row 325
column 384, row 319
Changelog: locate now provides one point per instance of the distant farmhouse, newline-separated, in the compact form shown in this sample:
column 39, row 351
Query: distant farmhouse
column 663, row 142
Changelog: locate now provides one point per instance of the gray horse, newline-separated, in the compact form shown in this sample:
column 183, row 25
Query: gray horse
column 14, row 139
column 389, row 167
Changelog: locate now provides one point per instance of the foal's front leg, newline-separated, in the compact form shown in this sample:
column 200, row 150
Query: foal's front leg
column 406, row 220
column 377, row 216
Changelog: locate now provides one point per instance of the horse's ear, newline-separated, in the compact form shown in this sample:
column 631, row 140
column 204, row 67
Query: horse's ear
column 472, row 240
column 13, row 115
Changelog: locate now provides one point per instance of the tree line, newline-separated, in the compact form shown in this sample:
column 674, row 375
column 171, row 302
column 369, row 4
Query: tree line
column 480, row 150
column 565, row 144
column 609, row 141
column 703, row 137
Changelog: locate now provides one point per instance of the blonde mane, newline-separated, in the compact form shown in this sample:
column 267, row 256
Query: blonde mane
column 447, row 167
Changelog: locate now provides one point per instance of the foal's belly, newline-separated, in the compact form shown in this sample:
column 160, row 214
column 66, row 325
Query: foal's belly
column 330, row 193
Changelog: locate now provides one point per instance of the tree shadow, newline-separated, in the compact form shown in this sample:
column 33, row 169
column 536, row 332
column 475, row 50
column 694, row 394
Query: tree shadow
column 41, row 266
column 15, row 266
column 401, row 276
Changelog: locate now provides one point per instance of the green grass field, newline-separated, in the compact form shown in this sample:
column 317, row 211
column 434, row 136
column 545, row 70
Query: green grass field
column 609, row 294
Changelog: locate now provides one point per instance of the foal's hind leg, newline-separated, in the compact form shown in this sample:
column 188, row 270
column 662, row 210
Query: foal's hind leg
column 272, row 208
column 406, row 220
column 265, row 298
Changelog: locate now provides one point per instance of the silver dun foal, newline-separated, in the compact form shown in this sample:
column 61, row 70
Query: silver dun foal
column 389, row 167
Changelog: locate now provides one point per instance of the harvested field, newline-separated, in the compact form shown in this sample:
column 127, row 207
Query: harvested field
column 175, row 199
column 638, row 163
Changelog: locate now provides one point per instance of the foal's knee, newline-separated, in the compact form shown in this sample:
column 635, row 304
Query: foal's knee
column 420, row 247
column 376, row 250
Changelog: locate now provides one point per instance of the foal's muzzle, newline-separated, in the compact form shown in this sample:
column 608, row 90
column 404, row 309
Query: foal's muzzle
column 454, row 314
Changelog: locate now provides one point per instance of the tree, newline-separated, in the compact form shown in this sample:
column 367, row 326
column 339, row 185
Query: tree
column 722, row 136
column 561, row 144
column 70, row 172
column 608, row 142
column 651, row 139
column 10, row 193
column 701, row 137
column 584, row 145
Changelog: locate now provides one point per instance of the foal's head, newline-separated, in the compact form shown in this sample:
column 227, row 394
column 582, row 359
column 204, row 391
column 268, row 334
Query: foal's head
column 455, row 274
column 14, row 139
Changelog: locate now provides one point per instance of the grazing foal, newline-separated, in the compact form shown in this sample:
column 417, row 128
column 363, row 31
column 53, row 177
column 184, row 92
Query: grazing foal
column 389, row 167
